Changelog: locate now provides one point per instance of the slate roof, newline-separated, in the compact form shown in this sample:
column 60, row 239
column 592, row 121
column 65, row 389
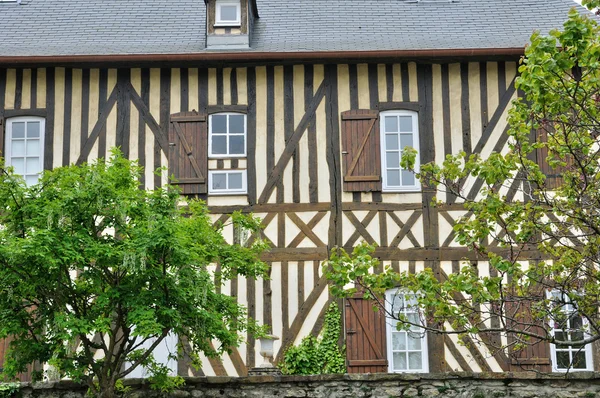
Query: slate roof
column 113, row 27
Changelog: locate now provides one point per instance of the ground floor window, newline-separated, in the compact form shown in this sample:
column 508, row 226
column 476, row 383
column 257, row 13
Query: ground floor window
column 407, row 349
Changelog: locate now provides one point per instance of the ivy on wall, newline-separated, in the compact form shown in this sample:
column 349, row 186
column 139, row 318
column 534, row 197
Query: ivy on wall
column 318, row 355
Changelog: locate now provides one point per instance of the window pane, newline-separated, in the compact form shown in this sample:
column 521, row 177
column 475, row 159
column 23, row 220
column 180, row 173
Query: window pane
column 236, row 144
column 408, row 178
column 236, row 124
column 219, row 145
column 31, row 180
column 576, row 322
column 18, row 130
column 17, row 148
column 228, row 13
column 414, row 342
column 400, row 361
column 218, row 124
column 393, row 178
column 391, row 142
column 235, row 181
column 415, row 320
column 397, row 303
column 405, row 124
column 406, row 140
column 560, row 336
column 33, row 147
column 18, row 165
column 33, row 165
column 33, row 130
column 219, row 181
column 391, row 124
column 562, row 359
column 579, row 360
column 577, row 336
column 392, row 160
column 415, row 360
column 398, row 341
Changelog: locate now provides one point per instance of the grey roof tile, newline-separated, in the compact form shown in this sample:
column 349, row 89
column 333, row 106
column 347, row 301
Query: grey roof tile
column 101, row 27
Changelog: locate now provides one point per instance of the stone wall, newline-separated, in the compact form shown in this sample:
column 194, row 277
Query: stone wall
column 460, row 385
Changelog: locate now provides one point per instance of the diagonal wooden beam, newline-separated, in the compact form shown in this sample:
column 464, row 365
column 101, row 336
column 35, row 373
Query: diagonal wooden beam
column 504, row 102
column 451, row 221
column 159, row 134
column 277, row 172
column 361, row 229
column 306, row 230
column 290, row 334
column 487, row 132
column 311, row 224
column 499, row 355
column 456, row 354
column 405, row 228
column 89, row 143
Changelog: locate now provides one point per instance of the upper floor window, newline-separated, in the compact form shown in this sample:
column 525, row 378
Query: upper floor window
column 227, row 135
column 25, row 146
column 228, row 13
column 569, row 326
column 399, row 129
column 407, row 349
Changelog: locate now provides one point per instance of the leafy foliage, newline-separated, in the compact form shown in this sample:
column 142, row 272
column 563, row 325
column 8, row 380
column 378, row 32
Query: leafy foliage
column 89, row 262
column 518, row 210
column 9, row 390
column 318, row 356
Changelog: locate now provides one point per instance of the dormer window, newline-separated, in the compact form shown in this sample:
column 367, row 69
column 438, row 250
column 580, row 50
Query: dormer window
column 228, row 13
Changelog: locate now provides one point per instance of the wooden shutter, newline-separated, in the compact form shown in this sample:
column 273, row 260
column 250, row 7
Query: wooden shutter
column 365, row 337
column 535, row 355
column 553, row 175
column 361, row 153
column 188, row 152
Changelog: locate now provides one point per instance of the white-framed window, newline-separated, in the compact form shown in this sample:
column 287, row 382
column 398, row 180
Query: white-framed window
column 25, row 146
column 407, row 349
column 227, row 182
column 569, row 326
column 228, row 13
column 227, row 135
column 399, row 129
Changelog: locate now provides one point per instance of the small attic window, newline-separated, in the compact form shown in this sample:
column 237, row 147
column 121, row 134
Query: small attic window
column 228, row 13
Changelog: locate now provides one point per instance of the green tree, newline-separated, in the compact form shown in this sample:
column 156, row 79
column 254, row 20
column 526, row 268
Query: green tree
column 559, row 222
column 93, row 267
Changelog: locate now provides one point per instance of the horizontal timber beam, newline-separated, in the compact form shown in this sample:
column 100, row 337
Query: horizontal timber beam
column 325, row 206
column 396, row 254
column 257, row 56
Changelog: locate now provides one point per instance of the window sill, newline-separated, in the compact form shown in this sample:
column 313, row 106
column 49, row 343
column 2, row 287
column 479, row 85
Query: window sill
column 228, row 193
column 225, row 157
column 402, row 190
column 227, row 25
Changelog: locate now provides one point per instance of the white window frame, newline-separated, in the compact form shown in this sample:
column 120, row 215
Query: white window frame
column 9, row 138
column 219, row 21
column 227, row 191
column 416, row 187
column 210, row 136
column 587, row 349
column 391, row 328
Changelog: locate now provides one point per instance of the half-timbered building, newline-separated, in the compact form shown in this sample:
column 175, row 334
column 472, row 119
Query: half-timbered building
column 294, row 111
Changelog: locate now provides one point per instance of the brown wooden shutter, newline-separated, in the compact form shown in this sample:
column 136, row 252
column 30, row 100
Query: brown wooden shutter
column 535, row 355
column 553, row 175
column 188, row 152
column 366, row 349
column 361, row 150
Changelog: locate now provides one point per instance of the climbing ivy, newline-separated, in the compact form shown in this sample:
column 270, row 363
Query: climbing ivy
column 318, row 356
